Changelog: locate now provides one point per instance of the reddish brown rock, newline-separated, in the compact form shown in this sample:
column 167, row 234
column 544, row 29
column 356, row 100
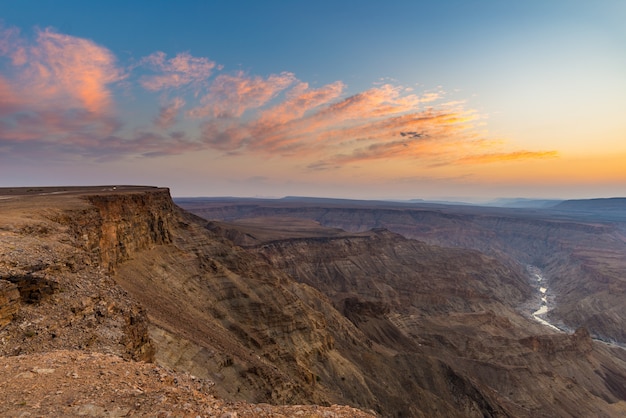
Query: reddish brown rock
column 9, row 302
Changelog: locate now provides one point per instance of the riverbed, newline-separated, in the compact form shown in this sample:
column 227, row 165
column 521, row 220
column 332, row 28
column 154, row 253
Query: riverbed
column 539, row 314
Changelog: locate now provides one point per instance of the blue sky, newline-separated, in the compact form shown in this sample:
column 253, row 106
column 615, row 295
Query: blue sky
column 395, row 99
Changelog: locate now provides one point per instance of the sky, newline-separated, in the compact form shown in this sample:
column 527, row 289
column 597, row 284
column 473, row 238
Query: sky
column 462, row 99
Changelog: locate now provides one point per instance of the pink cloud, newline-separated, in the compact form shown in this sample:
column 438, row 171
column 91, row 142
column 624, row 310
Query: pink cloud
column 300, row 99
column 384, row 122
column 10, row 42
column 376, row 114
column 373, row 103
column 59, row 71
column 55, row 97
column 229, row 96
column 55, row 89
column 56, row 93
column 176, row 72
column 62, row 68
column 9, row 99
column 168, row 113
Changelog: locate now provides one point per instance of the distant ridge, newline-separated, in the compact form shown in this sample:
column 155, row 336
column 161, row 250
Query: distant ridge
column 595, row 204
column 524, row 203
column 338, row 201
column 602, row 204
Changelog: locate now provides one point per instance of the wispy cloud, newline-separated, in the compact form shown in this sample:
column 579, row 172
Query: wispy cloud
column 318, row 123
column 58, row 90
column 229, row 96
column 182, row 70
column 9, row 99
column 168, row 113
column 498, row 157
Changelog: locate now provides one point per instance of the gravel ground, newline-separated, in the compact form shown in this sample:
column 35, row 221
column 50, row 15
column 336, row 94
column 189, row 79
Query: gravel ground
column 76, row 383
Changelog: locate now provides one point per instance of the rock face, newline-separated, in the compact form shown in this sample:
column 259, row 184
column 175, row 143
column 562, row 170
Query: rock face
column 52, row 252
column 127, row 224
column 299, row 315
column 9, row 302
column 456, row 306
column 384, row 267
column 579, row 245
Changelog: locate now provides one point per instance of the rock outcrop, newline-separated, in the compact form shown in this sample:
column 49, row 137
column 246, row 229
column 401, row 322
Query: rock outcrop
column 56, row 252
column 9, row 302
column 369, row 319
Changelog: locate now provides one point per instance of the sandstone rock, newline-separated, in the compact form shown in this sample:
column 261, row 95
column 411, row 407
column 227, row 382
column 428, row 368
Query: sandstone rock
column 9, row 302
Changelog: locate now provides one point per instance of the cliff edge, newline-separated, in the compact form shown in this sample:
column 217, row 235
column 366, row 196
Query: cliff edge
column 97, row 282
column 70, row 334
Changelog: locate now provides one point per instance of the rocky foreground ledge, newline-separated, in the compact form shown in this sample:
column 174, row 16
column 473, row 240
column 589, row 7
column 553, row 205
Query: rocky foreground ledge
column 76, row 383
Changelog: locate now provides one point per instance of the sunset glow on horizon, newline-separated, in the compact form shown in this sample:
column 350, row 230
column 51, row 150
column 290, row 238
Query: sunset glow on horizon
column 231, row 98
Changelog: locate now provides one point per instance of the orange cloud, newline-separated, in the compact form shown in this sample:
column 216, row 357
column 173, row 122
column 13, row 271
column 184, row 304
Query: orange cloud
column 313, row 119
column 426, row 135
column 384, row 122
column 176, row 72
column 379, row 114
column 498, row 157
column 373, row 103
column 56, row 92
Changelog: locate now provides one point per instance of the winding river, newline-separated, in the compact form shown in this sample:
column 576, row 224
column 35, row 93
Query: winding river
column 544, row 308
column 539, row 314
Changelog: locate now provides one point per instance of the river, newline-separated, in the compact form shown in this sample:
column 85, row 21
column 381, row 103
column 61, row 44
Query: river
column 539, row 314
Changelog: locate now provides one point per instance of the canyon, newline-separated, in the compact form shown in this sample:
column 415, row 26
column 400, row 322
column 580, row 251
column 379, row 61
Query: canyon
column 579, row 245
column 389, row 311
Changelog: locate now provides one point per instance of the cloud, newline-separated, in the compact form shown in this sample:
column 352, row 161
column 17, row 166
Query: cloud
column 498, row 157
column 317, row 121
column 229, row 96
column 62, row 68
column 11, row 44
column 386, row 122
column 168, row 113
column 56, row 93
column 184, row 69
column 9, row 99
column 298, row 101
column 98, row 148
column 55, row 88
column 56, row 99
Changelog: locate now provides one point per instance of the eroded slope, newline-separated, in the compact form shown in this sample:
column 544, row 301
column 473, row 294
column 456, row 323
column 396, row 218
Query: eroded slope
column 372, row 320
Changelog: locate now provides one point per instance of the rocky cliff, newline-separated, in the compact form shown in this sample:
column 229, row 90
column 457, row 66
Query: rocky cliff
column 372, row 320
column 457, row 306
column 580, row 251
column 55, row 250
